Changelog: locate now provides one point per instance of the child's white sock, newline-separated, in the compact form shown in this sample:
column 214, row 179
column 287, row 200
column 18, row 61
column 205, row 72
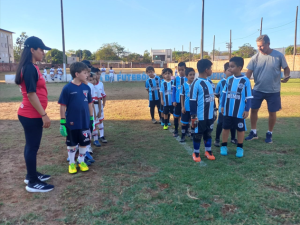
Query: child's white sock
column 82, row 151
column 101, row 129
column 95, row 135
column 254, row 131
column 270, row 132
column 71, row 153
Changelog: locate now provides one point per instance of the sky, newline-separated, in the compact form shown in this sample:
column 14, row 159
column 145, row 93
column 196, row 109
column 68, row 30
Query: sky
column 140, row 25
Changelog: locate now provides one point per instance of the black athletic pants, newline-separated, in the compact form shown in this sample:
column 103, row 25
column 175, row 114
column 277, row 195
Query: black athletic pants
column 33, row 134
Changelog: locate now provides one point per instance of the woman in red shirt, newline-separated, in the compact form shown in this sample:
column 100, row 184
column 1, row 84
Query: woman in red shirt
column 31, row 112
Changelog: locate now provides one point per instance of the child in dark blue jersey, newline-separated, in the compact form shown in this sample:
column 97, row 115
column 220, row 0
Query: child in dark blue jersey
column 235, row 104
column 177, row 90
column 218, row 94
column 185, row 102
column 76, row 111
column 166, row 95
column 202, row 106
column 152, row 85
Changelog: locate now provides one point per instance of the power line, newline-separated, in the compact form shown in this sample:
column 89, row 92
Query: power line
column 280, row 25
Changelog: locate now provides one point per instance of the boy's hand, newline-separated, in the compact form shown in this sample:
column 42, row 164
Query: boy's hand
column 183, row 110
column 162, row 102
column 286, row 79
column 222, row 110
column 174, row 104
column 62, row 128
column 245, row 114
column 215, row 114
column 194, row 120
column 99, row 114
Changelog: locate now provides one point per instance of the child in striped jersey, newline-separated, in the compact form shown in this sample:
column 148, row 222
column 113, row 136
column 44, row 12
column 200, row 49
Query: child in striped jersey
column 152, row 86
column 166, row 96
column 235, row 105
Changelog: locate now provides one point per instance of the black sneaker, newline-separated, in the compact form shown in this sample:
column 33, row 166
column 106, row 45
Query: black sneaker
column 251, row 136
column 39, row 186
column 42, row 177
column 103, row 140
column 268, row 137
column 217, row 143
column 182, row 139
column 234, row 141
column 175, row 134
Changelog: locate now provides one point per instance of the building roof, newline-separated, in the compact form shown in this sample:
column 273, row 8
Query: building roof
column 7, row 31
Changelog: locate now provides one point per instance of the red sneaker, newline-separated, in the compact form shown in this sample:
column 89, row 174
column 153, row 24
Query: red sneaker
column 196, row 159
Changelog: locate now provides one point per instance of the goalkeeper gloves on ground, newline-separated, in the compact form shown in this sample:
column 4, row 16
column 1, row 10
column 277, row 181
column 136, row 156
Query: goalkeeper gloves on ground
column 62, row 128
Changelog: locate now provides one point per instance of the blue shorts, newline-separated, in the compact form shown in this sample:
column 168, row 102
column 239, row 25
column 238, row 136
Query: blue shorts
column 186, row 118
column 273, row 100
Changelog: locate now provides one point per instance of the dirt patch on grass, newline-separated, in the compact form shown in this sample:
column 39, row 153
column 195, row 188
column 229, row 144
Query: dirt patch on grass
column 277, row 188
column 227, row 208
column 205, row 205
column 279, row 213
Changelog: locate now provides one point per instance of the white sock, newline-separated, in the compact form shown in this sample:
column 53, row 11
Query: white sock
column 71, row 153
column 254, row 131
column 101, row 129
column 82, row 151
column 95, row 135
column 270, row 131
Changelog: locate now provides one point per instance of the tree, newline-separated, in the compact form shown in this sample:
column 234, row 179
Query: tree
column 118, row 49
column 70, row 52
column 106, row 52
column 290, row 50
column 54, row 56
column 147, row 57
column 217, row 52
column 79, row 53
column 86, row 54
column 133, row 57
column 20, row 41
column 245, row 51
column 206, row 57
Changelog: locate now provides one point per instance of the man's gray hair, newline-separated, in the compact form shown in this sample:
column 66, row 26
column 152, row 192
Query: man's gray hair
column 264, row 38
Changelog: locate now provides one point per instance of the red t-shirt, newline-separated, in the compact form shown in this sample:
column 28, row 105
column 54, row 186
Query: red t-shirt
column 32, row 81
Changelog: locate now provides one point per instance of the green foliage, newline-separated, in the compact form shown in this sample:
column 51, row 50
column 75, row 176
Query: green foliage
column 107, row 52
column 87, row 55
column 21, row 39
column 17, row 55
column 133, row 57
column 54, row 56
column 206, row 57
column 245, row 51
column 290, row 50
column 147, row 57
column 70, row 52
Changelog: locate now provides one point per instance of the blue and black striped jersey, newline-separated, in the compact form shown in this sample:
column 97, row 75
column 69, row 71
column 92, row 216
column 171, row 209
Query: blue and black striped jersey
column 166, row 90
column 178, row 84
column 219, row 91
column 202, row 94
column 236, row 90
column 153, row 85
column 186, row 93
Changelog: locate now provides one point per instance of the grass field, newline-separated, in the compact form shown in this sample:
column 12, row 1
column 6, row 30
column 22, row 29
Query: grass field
column 145, row 176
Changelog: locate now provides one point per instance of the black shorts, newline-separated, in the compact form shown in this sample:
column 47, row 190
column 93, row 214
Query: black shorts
column 161, row 108
column 204, row 126
column 186, row 118
column 75, row 137
column 168, row 109
column 177, row 110
column 154, row 103
column 230, row 122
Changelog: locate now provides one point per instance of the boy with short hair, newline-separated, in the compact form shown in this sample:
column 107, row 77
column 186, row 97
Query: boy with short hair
column 161, row 107
column 218, row 94
column 166, row 95
column 177, row 89
column 76, row 113
column 152, row 86
column 45, row 74
column 59, row 72
column 111, row 74
column 235, row 104
column 185, row 102
column 52, row 71
column 202, row 105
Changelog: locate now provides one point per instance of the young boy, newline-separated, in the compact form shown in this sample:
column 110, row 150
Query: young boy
column 202, row 104
column 101, row 96
column 161, row 107
column 235, row 104
column 166, row 95
column 59, row 72
column 111, row 74
column 185, row 102
column 152, row 87
column 45, row 74
column 218, row 94
column 103, row 70
column 76, row 111
column 177, row 89
column 52, row 71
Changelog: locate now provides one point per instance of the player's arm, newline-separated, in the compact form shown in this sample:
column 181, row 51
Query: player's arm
column 174, row 94
column 193, row 105
column 286, row 72
column 99, row 108
column 249, row 73
column 161, row 98
column 248, row 97
column 182, row 103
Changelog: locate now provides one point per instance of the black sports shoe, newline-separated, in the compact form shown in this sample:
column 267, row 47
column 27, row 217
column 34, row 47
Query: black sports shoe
column 103, row 140
column 175, row 134
column 251, row 136
column 234, row 141
column 217, row 143
column 42, row 177
column 182, row 139
column 39, row 186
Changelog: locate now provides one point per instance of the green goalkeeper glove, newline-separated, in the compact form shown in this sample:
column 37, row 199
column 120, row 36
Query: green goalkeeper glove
column 91, row 122
column 62, row 128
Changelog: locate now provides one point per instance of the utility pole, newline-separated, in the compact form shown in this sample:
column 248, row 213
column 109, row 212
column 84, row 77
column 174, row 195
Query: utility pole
column 196, row 49
column 190, row 52
column 63, row 38
column 214, row 49
column 230, row 46
column 202, row 30
column 295, row 42
column 261, row 25
column 182, row 54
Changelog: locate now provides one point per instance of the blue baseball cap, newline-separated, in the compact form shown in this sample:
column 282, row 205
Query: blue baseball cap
column 35, row 42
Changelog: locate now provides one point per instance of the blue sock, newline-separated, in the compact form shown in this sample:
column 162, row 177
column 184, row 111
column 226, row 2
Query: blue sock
column 196, row 148
column 208, row 145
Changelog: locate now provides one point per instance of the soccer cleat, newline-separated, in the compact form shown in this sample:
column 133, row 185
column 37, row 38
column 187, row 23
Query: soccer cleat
column 89, row 149
column 39, row 186
column 223, row 150
column 268, row 138
column 42, row 177
column 239, row 152
column 196, row 159
column 97, row 144
column 83, row 166
column 209, row 155
column 166, row 127
column 154, row 121
column 162, row 123
column 89, row 157
column 72, row 168
column 182, row 139
column 251, row 136
column 217, row 143
column 169, row 124
column 175, row 134
column 234, row 141
column 103, row 140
